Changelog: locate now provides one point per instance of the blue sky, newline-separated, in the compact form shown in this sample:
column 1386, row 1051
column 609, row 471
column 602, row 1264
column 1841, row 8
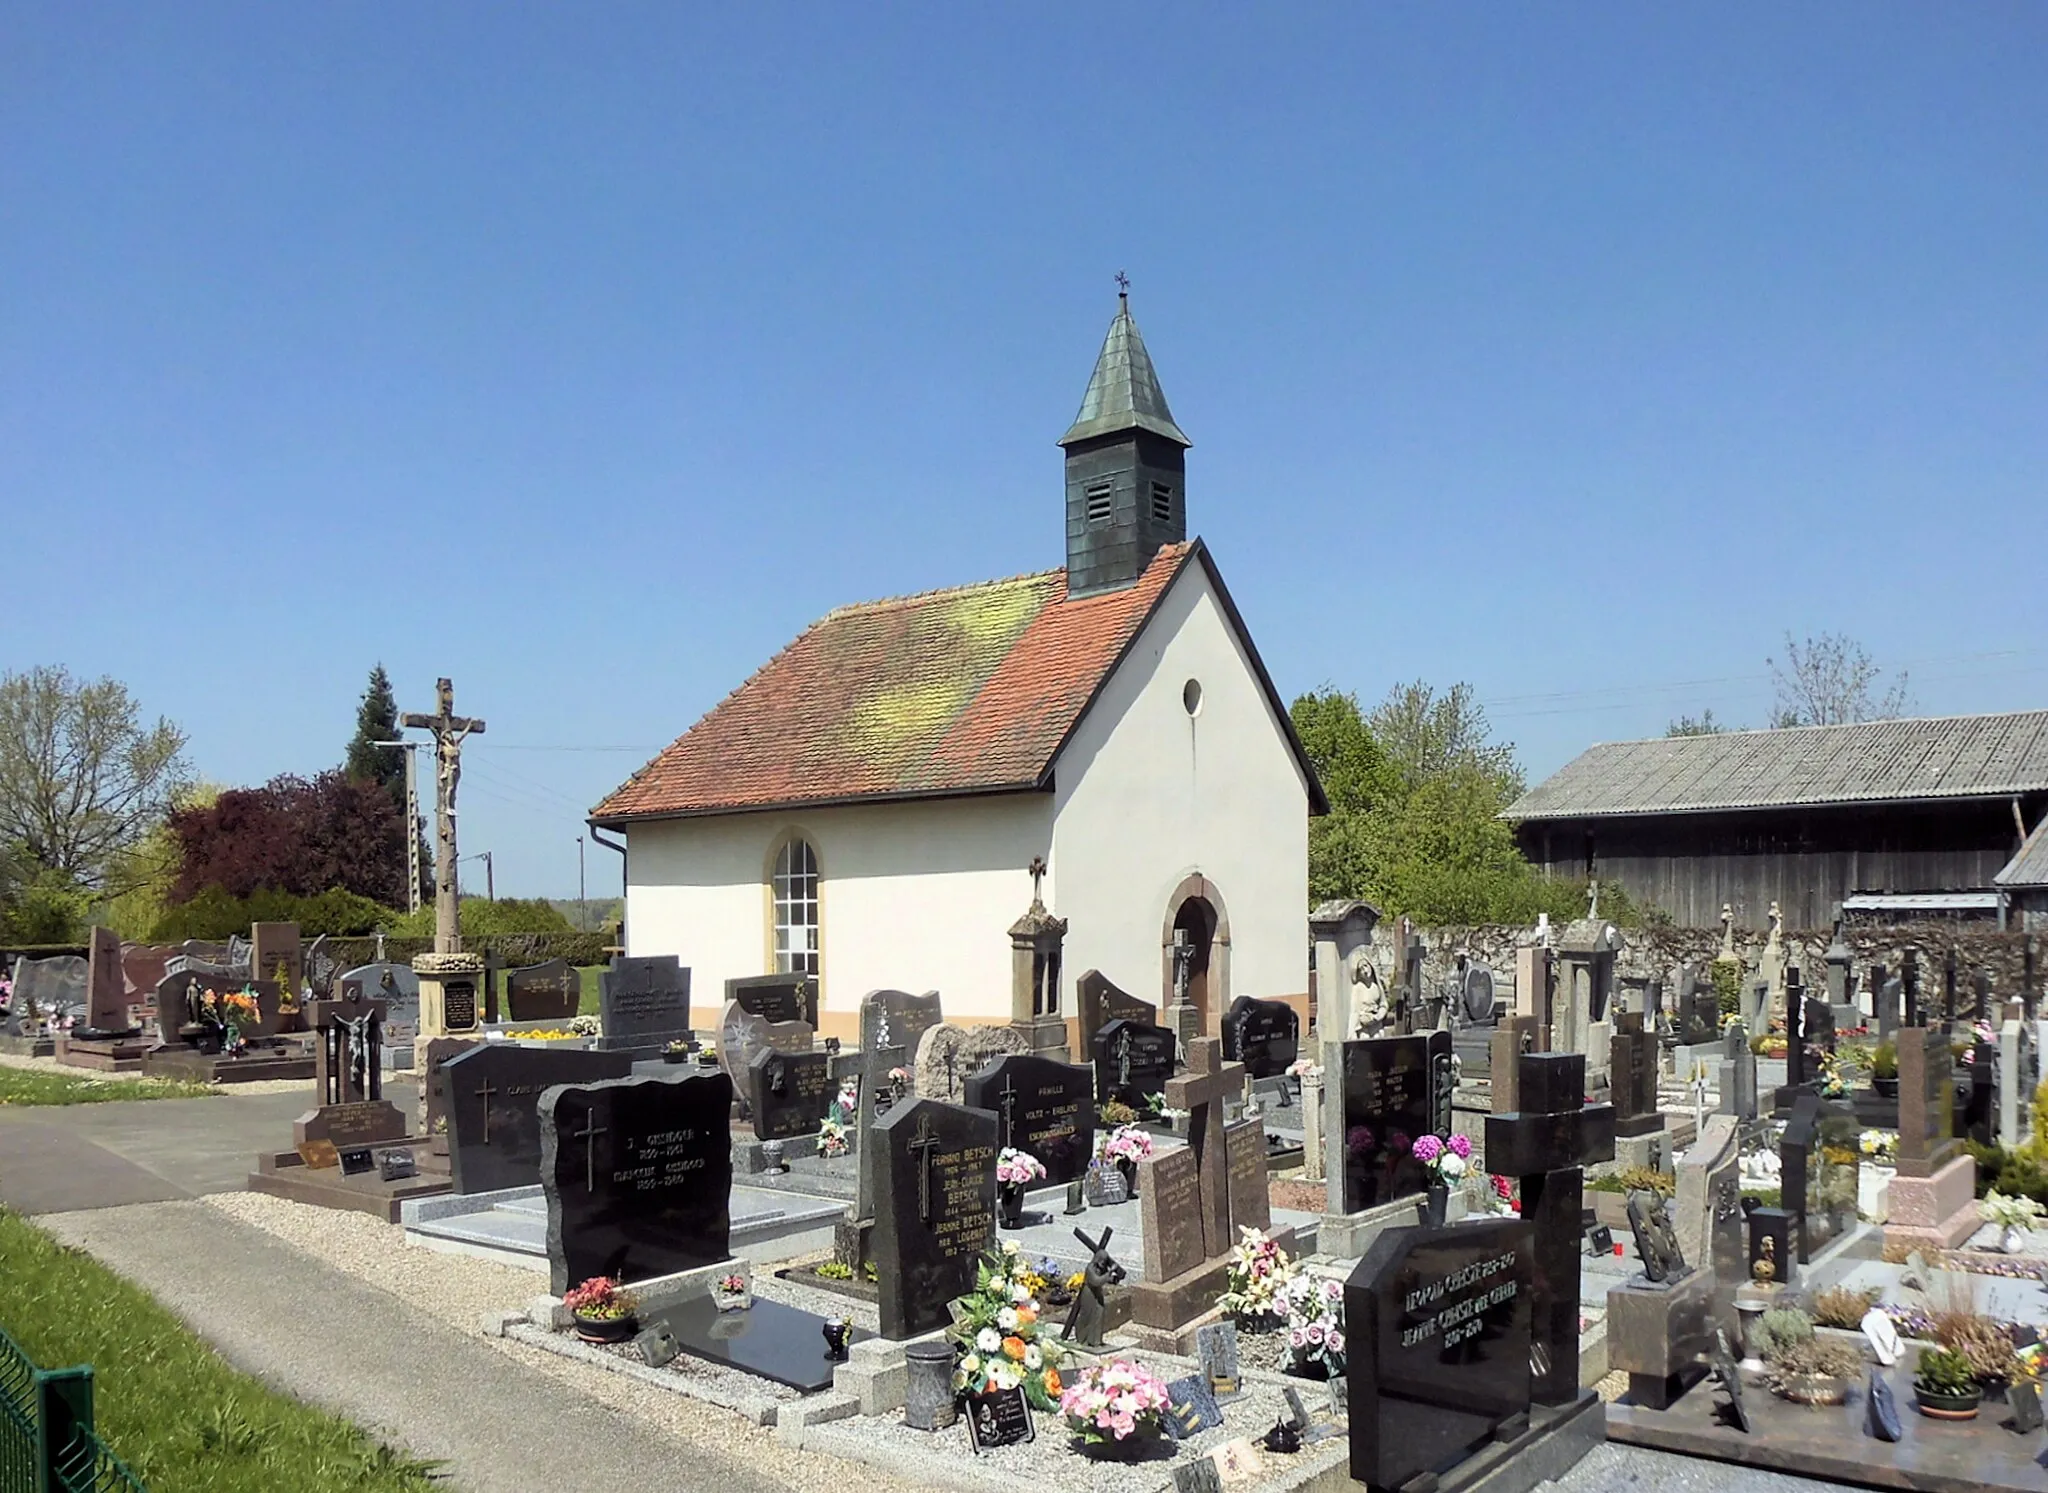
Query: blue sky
column 586, row 353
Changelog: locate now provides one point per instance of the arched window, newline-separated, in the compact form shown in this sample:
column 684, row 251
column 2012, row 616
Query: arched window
column 796, row 909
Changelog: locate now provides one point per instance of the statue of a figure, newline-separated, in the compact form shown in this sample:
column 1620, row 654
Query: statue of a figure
column 1371, row 1012
column 1089, row 1317
column 358, row 1053
column 1656, row 1241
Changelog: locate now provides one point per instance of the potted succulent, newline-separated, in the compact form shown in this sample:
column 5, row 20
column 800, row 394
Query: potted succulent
column 1126, row 1146
column 1943, row 1386
column 1116, row 1410
column 1884, row 1070
column 2016, row 1216
column 1015, row 1171
column 733, row 1293
column 603, row 1310
column 675, row 1052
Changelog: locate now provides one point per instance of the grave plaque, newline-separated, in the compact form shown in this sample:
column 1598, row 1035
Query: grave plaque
column 1216, row 1351
column 1041, row 1106
column 1263, row 1035
column 399, row 988
column 791, row 1093
column 1389, row 1099
column 935, row 1209
column 494, row 1133
column 643, row 1002
column 1133, row 1061
column 1170, row 1213
column 1191, row 1407
column 1244, row 1148
column 1439, row 1337
column 543, row 992
column 999, row 1418
column 637, row 1173
column 776, row 997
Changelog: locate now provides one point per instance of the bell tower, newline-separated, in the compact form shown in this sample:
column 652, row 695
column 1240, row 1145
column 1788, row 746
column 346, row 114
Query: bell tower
column 1126, row 466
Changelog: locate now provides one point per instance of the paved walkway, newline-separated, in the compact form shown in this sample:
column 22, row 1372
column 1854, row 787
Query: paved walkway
column 359, row 1351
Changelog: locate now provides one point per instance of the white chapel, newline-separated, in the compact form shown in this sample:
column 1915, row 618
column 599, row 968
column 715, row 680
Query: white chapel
column 865, row 806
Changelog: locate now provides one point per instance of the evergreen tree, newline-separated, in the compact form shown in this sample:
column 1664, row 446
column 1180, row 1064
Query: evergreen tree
column 377, row 720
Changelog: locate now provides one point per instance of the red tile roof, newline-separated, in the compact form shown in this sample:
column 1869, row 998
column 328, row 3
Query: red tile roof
column 971, row 690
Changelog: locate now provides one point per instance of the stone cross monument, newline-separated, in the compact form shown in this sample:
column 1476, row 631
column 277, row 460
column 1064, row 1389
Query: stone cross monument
column 448, row 977
column 1036, row 941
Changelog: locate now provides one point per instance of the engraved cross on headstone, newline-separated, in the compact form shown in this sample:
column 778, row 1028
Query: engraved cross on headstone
column 1008, row 1108
column 921, row 1147
column 484, row 1092
column 588, row 1135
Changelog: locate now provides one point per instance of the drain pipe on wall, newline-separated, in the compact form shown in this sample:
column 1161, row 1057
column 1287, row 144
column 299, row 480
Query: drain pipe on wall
column 597, row 837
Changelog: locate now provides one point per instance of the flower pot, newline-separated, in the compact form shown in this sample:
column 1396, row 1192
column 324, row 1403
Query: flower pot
column 2012, row 1239
column 606, row 1329
column 1946, row 1406
column 1129, row 1167
column 733, row 1301
column 1136, row 1447
column 1010, row 1204
column 1813, row 1389
column 1887, row 1088
column 676, row 1057
column 1434, row 1204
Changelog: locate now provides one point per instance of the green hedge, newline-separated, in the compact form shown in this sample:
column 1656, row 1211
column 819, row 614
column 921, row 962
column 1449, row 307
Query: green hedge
column 214, row 915
column 512, row 949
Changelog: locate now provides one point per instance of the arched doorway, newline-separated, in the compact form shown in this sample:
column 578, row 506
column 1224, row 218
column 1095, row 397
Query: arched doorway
column 1195, row 954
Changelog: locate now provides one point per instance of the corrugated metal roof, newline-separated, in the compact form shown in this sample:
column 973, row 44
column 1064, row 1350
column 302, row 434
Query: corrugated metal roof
column 1965, row 756
column 2030, row 866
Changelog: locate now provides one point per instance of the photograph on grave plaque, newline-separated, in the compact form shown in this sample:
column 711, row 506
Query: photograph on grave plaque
column 1389, row 1100
column 1000, row 1417
column 1439, row 1337
column 792, row 1093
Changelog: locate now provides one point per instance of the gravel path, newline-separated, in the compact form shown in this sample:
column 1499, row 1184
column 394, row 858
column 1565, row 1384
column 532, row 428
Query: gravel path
column 460, row 1290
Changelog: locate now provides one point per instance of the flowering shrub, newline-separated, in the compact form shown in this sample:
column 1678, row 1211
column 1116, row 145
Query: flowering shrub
column 1015, row 1168
column 1315, row 1322
column 995, row 1332
column 1446, row 1161
column 1258, row 1272
column 1115, row 1401
column 1126, row 1143
column 601, row 1299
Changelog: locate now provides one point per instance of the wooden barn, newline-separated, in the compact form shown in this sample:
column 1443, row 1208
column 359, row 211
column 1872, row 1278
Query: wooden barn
column 1891, row 818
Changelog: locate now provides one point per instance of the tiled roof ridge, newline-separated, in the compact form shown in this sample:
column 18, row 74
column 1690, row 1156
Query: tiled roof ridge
column 914, row 598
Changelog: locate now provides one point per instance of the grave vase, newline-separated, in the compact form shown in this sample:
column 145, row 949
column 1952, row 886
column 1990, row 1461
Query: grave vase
column 2012, row 1239
column 1887, row 1088
column 1129, row 1167
column 1435, row 1203
column 1010, row 1204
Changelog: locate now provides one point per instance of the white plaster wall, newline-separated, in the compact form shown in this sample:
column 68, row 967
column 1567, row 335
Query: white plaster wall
column 1147, row 795
column 914, row 896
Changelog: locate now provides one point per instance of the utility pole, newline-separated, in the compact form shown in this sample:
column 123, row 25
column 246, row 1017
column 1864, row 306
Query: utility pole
column 448, row 730
column 582, row 897
column 490, row 879
column 412, row 820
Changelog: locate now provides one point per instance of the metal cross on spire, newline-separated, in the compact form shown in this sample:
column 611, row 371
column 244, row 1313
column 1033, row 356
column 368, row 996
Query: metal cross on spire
column 1123, row 286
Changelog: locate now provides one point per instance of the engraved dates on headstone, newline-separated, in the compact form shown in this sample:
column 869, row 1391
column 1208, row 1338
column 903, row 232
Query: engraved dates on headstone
column 791, row 1091
column 1389, row 1100
column 936, row 1201
column 1170, row 1213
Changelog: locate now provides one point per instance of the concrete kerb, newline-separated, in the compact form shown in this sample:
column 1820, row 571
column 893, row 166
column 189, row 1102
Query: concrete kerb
column 756, row 1410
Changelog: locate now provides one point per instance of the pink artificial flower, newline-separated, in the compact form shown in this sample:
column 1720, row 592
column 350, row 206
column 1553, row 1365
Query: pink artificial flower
column 1461, row 1147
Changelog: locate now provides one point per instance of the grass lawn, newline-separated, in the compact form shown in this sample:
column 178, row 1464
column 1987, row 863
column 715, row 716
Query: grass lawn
column 588, row 973
column 164, row 1402
column 26, row 1086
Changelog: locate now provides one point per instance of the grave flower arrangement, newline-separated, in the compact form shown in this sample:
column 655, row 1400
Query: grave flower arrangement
column 1879, row 1145
column 733, row 1293
column 1126, row 1143
column 832, row 1133
column 1115, row 1402
column 603, row 1310
column 996, row 1341
column 1256, row 1278
column 586, row 1026
column 1446, row 1161
column 1315, row 1326
column 2015, row 1215
column 1015, row 1168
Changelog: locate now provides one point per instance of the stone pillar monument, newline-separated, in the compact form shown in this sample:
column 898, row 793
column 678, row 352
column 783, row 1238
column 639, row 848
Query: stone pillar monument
column 1341, row 929
column 448, row 977
column 1036, row 942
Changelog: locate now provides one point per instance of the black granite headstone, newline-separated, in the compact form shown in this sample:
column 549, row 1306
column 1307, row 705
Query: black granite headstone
column 493, row 1095
column 792, row 1091
column 637, row 1173
column 543, row 992
column 1133, row 1060
column 935, row 1209
column 1263, row 1035
column 1041, row 1106
column 1439, row 1346
column 1390, row 1099
column 644, row 1002
column 776, row 997
column 1819, row 1157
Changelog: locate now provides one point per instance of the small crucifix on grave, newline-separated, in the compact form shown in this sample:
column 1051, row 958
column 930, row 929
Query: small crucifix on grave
column 1202, row 1091
column 349, row 1065
column 921, row 1146
column 1007, row 1107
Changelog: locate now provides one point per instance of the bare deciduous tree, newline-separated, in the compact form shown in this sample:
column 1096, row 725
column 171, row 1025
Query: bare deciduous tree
column 1830, row 681
column 81, row 778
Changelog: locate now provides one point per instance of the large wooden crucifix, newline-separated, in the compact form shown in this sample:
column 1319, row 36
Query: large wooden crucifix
column 448, row 729
column 1201, row 1091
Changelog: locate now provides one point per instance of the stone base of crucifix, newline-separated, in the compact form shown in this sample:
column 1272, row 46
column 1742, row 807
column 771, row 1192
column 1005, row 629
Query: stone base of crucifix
column 451, row 993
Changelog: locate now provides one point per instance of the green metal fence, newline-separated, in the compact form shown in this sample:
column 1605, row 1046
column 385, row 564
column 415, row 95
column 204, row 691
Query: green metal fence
column 47, row 1444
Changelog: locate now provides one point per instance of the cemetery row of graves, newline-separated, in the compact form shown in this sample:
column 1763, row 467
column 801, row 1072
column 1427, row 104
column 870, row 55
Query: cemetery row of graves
column 1400, row 1248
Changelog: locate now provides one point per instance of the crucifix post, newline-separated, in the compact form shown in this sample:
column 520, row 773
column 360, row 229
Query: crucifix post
column 448, row 730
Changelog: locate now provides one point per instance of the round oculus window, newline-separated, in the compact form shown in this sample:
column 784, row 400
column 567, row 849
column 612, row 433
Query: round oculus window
column 1191, row 697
